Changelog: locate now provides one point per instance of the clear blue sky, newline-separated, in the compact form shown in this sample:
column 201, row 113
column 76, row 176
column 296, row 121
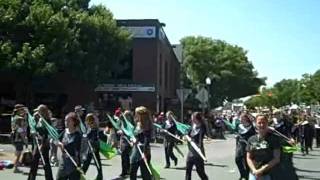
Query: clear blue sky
column 282, row 36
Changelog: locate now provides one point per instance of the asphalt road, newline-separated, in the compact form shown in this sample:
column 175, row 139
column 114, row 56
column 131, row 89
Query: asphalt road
column 220, row 165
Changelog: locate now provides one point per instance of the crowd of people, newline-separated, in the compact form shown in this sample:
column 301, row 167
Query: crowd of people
column 78, row 136
column 264, row 142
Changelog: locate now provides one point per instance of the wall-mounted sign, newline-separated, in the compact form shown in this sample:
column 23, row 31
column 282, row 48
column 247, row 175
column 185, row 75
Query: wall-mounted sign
column 125, row 88
column 142, row 31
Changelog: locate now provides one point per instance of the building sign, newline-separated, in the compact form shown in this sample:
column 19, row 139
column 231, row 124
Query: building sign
column 142, row 31
column 125, row 88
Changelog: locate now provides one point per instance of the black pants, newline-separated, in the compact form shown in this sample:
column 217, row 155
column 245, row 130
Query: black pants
column 318, row 137
column 125, row 161
column 86, row 164
column 168, row 149
column 198, row 162
column 35, row 163
column 75, row 175
column 143, row 169
column 304, row 145
column 241, row 161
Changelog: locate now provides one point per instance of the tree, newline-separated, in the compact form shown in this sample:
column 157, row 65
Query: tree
column 227, row 65
column 299, row 91
column 287, row 91
column 42, row 37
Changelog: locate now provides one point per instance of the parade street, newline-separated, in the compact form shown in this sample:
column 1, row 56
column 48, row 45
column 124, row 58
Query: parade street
column 220, row 165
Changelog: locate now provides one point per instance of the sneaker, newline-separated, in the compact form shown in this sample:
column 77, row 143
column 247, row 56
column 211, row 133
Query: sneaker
column 17, row 170
column 122, row 175
column 167, row 166
column 176, row 162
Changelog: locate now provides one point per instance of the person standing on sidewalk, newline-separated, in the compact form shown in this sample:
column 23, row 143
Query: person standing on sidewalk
column 19, row 133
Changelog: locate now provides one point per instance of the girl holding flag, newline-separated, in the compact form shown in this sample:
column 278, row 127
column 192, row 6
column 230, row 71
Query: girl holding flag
column 125, row 147
column 41, row 151
column 169, row 142
column 141, row 153
column 71, row 142
column 93, row 138
column 245, row 130
column 197, row 134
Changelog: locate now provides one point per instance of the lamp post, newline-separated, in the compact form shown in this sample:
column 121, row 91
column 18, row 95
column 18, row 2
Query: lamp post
column 208, row 124
column 208, row 83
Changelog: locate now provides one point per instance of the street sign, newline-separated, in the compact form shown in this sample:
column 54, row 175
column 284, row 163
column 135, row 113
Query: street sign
column 183, row 94
column 203, row 95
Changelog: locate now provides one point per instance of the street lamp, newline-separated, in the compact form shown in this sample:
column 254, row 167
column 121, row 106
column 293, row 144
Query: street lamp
column 208, row 123
column 208, row 83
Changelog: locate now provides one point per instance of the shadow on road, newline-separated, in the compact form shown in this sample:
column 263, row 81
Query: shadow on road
column 179, row 168
column 308, row 177
column 215, row 165
column 305, row 170
column 301, row 157
column 27, row 174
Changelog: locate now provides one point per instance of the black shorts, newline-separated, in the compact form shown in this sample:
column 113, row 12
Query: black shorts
column 18, row 146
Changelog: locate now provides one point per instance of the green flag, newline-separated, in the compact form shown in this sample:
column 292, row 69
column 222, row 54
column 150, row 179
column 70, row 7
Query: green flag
column 157, row 125
column 290, row 149
column 53, row 133
column 127, row 123
column 155, row 172
column 115, row 124
column 32, row 123
column 107, row 150
column 82, row 177
column 82, row 127
column 127, row 128
column 182, row 128
column 229, row 125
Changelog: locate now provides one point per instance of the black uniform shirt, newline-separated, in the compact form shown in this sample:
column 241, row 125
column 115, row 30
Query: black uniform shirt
column 262, row 148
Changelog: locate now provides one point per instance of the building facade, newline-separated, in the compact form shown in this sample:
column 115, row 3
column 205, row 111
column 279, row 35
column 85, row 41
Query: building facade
column 154, row 70
column 151, row 79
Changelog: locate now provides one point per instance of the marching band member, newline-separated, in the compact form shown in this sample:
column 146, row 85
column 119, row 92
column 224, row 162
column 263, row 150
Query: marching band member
column 263, row 151
column 245, row 130
column 93, row 137
column 169, row 141
column 143, row 132
column 43, row 145
column 71, row 142
column 197, row 134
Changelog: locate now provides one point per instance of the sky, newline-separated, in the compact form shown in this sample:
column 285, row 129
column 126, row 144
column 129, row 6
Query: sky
column 282, row 37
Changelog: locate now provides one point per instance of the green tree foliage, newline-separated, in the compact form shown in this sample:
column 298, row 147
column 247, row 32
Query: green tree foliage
column 227, row 65
column 287, row 91
column 42, row 37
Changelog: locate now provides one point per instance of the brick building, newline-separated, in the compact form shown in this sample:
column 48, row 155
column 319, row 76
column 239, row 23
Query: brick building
column 151, row 78
column 154, row 70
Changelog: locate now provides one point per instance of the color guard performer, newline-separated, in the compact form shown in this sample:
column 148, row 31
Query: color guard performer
column 141, row 153
column 197, row 134
column 169, row 141
column 245, row 130
column 71, row 142
column 92, row 124
column 41, row 151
